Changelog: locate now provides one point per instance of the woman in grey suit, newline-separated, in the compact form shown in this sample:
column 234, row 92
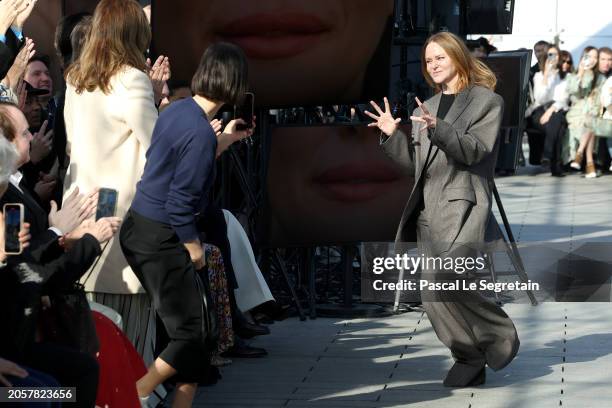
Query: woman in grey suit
column 452, row 154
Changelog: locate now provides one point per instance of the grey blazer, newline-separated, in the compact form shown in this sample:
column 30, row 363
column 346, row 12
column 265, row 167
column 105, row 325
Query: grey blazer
column 454, row 187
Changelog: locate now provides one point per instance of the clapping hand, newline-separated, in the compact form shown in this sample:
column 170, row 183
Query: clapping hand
column 102, row 230
column 9, row 10
column 24, row 13
column 22, row 96
column 159, row 73
column 75, row 209
column 15, row 73
column 384, row 120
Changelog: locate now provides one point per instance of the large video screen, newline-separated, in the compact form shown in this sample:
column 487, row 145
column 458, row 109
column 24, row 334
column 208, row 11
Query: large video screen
column 300, row 53
column 331, row 184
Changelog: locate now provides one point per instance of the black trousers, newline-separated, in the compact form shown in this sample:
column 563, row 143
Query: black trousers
column 163, row 266
column 536, row 135
column 555, row 130
column 69, row 367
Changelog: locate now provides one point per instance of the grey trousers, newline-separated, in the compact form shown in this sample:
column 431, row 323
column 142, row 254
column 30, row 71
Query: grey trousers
column 475, row 329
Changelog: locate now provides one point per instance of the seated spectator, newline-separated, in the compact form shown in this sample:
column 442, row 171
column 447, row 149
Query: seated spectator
column 544, row 83
column 52, row 271
column 12, row 374
column 540, row 49
column 583, row 88
column 552, row 120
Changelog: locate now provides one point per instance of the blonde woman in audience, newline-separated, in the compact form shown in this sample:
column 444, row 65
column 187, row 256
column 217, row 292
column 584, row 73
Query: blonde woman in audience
column 583, row 89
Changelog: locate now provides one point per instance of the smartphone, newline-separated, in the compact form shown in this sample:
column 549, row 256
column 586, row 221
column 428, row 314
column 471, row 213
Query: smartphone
column 246, row 111
column 51, row 118
column 107, row 203
column 13, row 222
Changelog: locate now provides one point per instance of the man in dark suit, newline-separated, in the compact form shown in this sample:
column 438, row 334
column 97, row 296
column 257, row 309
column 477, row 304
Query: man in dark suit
column 539, row 50
column 82, row 238
column 46, row 268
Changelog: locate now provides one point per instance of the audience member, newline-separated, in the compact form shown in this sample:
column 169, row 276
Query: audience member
column 583, row 89
column 544, row 84
column 540, row 49
column 47, row 267
column 110, row 114
column 553, row 119
column 161, row 226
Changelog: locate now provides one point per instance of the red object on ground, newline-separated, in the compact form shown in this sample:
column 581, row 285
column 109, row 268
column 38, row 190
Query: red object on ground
column 120, row 366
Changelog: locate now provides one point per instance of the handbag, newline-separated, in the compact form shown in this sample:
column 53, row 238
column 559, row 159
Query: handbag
column 602, row 126
column 209, row 327
column 68, row 321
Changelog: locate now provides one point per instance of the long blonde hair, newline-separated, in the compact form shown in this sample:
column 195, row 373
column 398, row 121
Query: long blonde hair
column 471, row 70
column 119, row 37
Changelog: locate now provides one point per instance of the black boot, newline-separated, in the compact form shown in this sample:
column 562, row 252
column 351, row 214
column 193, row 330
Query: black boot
column 465, row 375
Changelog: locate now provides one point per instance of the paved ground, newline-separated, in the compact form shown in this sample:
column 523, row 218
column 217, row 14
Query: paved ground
column 565, row 354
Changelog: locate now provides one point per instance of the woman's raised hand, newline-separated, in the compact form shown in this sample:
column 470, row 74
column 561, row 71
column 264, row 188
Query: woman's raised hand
column 384, row 120
column 427, row 118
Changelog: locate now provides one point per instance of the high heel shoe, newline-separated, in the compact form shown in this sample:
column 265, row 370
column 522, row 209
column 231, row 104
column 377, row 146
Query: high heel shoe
column 464, row 375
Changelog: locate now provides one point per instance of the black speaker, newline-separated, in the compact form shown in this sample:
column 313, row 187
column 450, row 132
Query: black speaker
column 488, row 17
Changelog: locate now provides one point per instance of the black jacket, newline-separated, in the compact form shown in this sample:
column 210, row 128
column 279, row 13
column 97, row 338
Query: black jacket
column 54, row 271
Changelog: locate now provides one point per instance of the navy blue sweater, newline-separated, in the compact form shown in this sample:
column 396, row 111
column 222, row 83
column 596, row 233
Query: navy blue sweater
column 179, row 170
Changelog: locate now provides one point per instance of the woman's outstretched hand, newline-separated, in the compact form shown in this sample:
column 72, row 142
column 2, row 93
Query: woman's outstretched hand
column 427, row 118
column 384, row 120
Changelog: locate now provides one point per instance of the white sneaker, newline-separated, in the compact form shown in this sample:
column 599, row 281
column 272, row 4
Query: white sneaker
column 591, row 175
column 576, row 166
column 144, row 401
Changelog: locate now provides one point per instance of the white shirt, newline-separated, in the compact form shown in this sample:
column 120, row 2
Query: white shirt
column 15, row 179
column 561, row 96
column 543, row 92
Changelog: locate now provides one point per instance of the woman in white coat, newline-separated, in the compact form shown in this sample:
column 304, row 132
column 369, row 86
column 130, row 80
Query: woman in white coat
column 110, row 114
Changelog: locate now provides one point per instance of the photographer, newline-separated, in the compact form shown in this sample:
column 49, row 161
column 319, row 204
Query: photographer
column 161, row 238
